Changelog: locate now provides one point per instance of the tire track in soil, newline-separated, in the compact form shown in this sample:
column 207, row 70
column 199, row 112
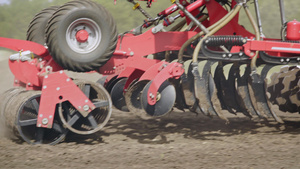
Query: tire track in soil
column 180, row 140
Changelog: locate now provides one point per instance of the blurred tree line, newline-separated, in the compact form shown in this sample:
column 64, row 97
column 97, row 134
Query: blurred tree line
column 16, row 16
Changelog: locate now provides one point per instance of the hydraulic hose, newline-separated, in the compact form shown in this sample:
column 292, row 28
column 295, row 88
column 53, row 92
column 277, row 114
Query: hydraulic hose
column 203, row 18
column 257, row 36
column 189, row 41
column 180, row 27
column 214, row 30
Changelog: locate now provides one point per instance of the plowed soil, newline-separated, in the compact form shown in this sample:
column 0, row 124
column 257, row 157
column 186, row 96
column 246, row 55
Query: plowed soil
column 178, row 140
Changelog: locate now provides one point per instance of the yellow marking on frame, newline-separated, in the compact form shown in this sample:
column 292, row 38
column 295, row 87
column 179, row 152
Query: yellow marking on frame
column 136, row 6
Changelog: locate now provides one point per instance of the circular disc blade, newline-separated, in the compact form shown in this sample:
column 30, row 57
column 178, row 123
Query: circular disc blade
column 133, row 97
column 117, row 96
column 165, row 103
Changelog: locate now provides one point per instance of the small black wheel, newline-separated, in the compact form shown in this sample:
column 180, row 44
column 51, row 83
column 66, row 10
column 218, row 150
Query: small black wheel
column 96, row 119
column 81, row 36
column 21, row 116
column 36, row 28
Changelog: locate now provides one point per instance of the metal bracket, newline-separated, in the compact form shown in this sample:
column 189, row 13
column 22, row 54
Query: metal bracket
column 158, row 28
column 58, row 88
column 22, row 56
column 172, row 70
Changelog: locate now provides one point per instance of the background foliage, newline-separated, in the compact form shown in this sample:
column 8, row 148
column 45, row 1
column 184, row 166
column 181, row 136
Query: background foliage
column 16, row 16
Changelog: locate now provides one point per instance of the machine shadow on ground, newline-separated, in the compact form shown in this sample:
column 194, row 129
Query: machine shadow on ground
column 186, row 125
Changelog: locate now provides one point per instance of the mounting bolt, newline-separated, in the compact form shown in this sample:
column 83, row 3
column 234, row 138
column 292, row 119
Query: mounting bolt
column 281, row 60
column 46, row 76
column 241, row 54
column 48, row 69
column 224, row 56
column 114, row 68
column 45, row 121
column 207, row 41
column 230, row 55
column 86, row 107
column 28, row 84
column 131, row 53
column 44, row 87
column 287, row 59
column 58, row 88
column 298, row 59
column 151, row 95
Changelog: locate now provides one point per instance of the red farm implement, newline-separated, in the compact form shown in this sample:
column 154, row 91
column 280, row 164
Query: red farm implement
column 194, row 56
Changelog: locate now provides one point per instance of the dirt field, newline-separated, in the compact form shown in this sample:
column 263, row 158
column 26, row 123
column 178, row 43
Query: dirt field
column 179, row 140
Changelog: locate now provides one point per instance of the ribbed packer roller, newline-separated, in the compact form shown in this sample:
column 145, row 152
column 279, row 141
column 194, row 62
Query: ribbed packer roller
column 21, row 111
column 205, row 63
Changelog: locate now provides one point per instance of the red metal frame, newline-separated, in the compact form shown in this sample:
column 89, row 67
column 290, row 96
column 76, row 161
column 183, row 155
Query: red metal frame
column 132, row 49
column 132, row 74
column 271, row 46
column 160, row 73
column 22, row 45
column 58, row 88
column 48, row 76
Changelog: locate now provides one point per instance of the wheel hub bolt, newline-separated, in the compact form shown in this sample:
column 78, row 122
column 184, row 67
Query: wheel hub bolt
column 45, row 121
column 86, row 107
column 82, row 36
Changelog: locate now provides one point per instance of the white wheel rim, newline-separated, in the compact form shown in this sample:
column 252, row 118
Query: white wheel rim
column 94, row 35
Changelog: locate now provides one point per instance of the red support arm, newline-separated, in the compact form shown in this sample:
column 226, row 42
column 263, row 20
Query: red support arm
column 57, row 88
column 22, row 45
column 271, row 46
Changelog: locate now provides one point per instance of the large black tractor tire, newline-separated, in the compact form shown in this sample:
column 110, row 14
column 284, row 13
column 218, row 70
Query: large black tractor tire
column 36, row 28
column 81, row 36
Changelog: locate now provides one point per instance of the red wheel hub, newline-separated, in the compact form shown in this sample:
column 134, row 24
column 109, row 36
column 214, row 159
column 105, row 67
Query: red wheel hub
column 82, row 36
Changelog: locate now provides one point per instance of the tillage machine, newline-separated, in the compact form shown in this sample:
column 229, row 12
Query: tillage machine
column 193, row 56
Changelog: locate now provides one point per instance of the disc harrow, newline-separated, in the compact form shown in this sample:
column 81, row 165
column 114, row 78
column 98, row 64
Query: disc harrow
column 206, row 63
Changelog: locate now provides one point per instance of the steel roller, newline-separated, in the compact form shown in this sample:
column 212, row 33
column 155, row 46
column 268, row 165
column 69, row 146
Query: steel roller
column 96, row 119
